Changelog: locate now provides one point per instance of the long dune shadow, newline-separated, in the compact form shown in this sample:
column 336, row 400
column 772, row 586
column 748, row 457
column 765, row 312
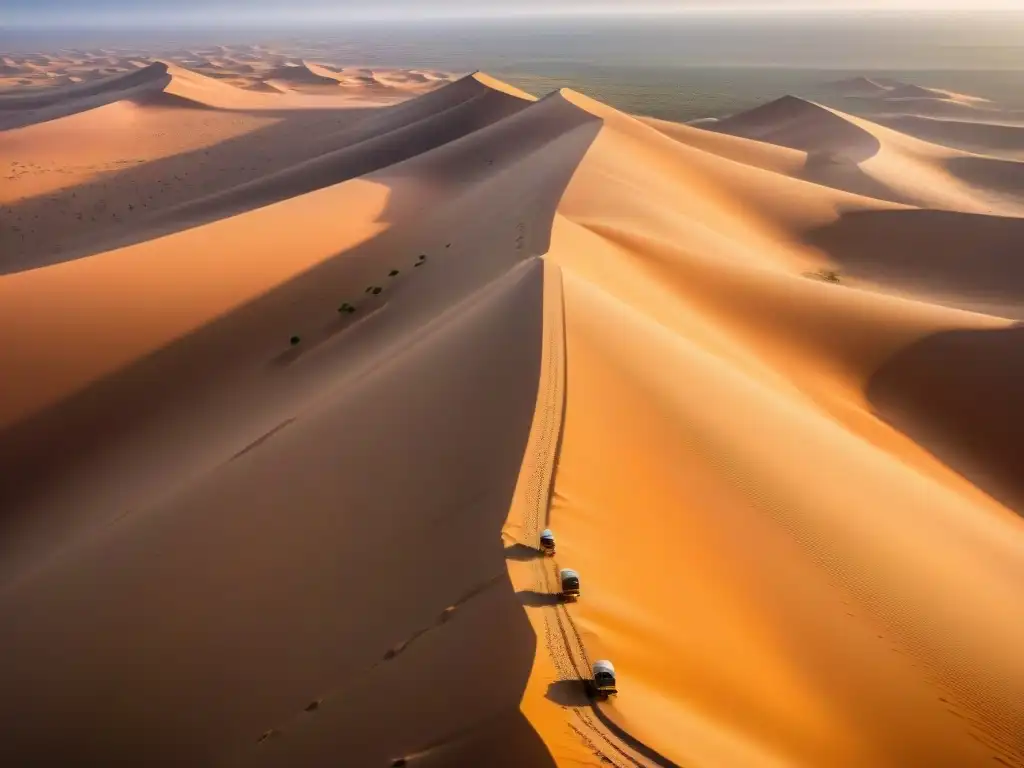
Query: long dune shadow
column 536, row 599
column 959, row 394
column 965, row 259
column 568, row 693
column 522, row 553
column 283, row 576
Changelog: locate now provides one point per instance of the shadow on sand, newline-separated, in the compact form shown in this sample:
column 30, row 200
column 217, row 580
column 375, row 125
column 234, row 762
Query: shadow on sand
column 522, row 553
column 958, row 394
column 534, row 599
column 967, row 259
column 568, row 693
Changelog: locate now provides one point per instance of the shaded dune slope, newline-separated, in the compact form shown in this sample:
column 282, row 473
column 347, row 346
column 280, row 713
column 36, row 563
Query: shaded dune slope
column 967, row 414
column 958, row 258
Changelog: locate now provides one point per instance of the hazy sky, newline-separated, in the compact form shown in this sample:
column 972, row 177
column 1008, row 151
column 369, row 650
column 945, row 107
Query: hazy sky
column 127, row 11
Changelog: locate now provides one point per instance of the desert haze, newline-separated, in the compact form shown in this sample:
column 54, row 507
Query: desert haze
column 297, row 361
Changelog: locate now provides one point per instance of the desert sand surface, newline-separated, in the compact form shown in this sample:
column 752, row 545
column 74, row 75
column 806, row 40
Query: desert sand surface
column 300, row 357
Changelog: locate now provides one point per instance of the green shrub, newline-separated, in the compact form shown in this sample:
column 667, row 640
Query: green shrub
column 825, row 275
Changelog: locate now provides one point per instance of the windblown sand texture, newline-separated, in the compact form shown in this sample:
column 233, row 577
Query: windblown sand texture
column 298, row 359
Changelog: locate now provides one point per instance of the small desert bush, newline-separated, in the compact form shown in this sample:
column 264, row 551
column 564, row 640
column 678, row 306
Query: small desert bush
column 825, row 275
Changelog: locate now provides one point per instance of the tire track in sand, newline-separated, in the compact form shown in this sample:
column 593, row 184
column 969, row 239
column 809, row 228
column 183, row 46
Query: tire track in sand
column 530, row 512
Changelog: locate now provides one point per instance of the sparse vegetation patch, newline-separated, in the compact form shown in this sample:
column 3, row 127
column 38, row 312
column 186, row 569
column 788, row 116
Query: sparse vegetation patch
column 825, row 275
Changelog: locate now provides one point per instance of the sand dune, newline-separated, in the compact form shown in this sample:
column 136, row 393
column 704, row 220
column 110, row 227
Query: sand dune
column 910, row 91
column 301, row 74
column 887, row 89
column 902, row 99
column 860, row 86
column 866, row 158
column 293, row 380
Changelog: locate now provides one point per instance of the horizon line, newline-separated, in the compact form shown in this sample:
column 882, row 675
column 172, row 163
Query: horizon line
column 215, row 15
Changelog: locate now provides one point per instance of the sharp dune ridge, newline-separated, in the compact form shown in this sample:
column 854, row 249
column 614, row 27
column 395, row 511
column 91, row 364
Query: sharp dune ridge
column 295, row 378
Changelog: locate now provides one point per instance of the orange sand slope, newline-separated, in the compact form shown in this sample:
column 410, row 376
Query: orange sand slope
column 276, row 379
